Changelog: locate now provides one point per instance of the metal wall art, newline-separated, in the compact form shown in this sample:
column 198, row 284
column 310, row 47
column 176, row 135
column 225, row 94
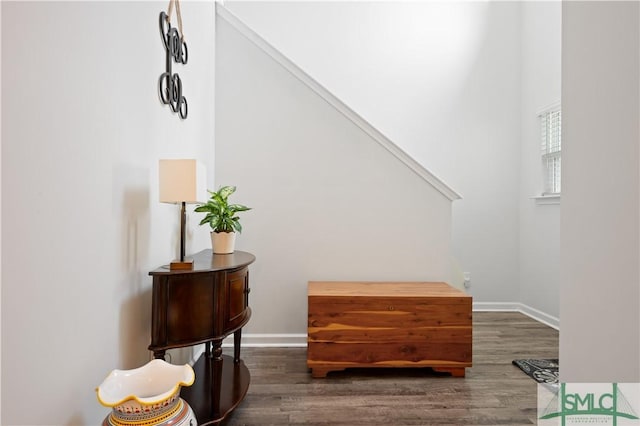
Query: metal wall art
column 170, row 84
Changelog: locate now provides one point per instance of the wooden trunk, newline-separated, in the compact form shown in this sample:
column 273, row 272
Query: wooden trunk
column 375, row 324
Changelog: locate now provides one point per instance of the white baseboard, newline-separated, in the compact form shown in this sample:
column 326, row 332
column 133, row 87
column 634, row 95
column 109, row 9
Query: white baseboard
column 299, row 340
column 540, row 316
column 527, row 310
column 496, row 307
column 198, row 350
column 259, row 340
column 268, row 340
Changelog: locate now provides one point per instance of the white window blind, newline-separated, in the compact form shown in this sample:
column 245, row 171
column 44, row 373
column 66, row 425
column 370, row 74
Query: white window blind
column 551, row 131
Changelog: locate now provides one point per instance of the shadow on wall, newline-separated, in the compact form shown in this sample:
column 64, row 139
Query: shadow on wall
column 135, row 308
column 135, row 331
column 135, row 229
column 75, row 420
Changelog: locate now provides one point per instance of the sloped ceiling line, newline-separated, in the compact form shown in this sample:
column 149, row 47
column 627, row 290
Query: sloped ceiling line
column 340, row 106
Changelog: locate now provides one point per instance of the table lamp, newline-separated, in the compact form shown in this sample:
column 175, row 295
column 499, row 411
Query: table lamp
column 182, row 182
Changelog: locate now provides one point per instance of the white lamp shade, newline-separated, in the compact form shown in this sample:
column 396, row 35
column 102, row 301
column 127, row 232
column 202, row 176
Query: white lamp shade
column 182, row 181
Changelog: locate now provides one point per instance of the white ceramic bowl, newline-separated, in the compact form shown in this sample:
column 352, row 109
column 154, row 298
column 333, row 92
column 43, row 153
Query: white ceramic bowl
column 154, row 387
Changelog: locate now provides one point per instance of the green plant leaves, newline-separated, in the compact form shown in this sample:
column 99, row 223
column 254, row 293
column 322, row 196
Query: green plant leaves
column 238, row 207
column 221, row 215
column 225, row 191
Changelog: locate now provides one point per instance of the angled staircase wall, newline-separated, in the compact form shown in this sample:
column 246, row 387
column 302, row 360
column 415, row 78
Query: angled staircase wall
column 335, row 102
column 332, row 198
column 457, row 86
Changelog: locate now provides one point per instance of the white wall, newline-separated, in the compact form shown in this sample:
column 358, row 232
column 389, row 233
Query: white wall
column 539, row 251
column 600, row 293
column 82, row 133
column 441, row 80
column 329, row 202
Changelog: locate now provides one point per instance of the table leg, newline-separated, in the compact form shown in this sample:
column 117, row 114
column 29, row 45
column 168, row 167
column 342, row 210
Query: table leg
column 237, row 336
column 216, row 374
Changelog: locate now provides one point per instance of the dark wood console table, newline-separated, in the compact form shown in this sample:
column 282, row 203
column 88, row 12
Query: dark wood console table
column 205, row 305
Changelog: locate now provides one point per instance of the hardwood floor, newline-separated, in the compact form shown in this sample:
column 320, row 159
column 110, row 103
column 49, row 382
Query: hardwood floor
column 494, row 392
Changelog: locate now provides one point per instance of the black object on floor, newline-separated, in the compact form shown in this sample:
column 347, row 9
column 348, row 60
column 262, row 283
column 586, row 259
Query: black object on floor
column 540, row 370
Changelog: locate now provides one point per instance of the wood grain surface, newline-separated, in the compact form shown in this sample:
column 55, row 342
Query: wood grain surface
column 375, row 324
column 378, row 289
column 494, row 392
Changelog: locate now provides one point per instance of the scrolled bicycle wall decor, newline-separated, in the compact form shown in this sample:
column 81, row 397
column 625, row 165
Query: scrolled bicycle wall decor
column 170, row 84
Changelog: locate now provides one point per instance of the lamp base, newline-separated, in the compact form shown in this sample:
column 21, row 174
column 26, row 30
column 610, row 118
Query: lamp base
column 186, row 265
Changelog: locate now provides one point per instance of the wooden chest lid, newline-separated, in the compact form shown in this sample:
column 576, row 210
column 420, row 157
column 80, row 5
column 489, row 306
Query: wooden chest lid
column 383, row 289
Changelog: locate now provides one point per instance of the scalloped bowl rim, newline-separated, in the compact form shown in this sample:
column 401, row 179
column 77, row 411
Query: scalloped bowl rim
column 108, row 400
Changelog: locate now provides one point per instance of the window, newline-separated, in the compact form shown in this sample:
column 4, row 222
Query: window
column 551, row 126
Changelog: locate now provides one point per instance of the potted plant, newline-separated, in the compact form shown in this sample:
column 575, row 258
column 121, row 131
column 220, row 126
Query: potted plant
column 223, row 219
